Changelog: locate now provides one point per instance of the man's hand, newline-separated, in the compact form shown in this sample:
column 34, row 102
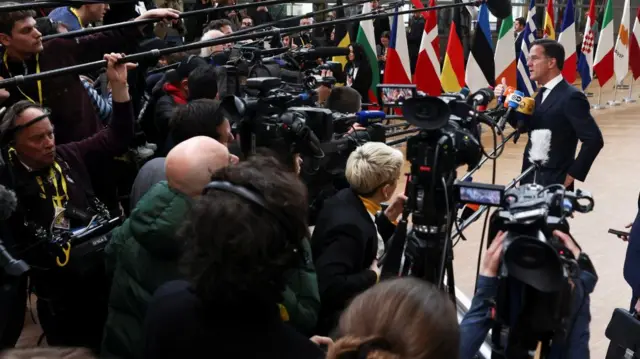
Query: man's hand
column 396, row 207
column 626, row 238
column 638, row 306
column 117, row 76
column 568, row 242
column 318, row 340
column 356, row 127
column 167, row 14
column 568, row 181
column 491, row 261
column 501, row 88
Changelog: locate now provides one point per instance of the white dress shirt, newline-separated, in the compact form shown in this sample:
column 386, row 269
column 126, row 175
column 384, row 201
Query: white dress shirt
column 550, row 85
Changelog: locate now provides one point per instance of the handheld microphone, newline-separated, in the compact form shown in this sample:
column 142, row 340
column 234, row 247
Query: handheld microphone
column 481, row 97
column 504, row 95
column 523, row 113
column 514, row 102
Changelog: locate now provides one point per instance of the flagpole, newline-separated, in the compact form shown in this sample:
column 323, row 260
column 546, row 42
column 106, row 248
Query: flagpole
column 599, row 105
column 614, row 102
column 630, row 99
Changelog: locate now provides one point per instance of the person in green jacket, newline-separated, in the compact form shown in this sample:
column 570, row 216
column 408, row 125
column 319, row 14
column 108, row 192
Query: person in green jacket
column 144, row 252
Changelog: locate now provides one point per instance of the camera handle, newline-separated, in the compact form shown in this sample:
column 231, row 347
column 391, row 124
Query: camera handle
column 11, row 266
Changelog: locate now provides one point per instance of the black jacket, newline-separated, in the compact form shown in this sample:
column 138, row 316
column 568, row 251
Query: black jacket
column 344, row 244
column 179, row 325
column 566, row 112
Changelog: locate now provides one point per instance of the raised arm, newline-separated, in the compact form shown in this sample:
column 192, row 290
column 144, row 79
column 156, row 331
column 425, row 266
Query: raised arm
column 114, row 139
column 91, row 47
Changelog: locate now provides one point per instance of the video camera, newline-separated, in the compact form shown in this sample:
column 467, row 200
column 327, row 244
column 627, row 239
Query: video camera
column 535, row 294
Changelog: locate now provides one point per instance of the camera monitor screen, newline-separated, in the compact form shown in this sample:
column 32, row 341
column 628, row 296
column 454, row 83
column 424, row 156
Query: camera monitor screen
column 395, row 95
column 479, row 193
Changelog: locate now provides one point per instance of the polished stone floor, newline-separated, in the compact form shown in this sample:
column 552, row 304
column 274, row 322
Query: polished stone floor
column 614, row 183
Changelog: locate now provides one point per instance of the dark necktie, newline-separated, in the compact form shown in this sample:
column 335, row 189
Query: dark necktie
column 539, row 96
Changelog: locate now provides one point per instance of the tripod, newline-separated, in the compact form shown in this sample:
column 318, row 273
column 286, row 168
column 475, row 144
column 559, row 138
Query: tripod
column 425, row 251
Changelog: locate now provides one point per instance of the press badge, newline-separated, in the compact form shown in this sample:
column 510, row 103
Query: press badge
column 60, row 221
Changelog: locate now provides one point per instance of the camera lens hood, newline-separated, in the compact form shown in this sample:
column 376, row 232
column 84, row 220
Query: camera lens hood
column 534, row 262
column 427, row 113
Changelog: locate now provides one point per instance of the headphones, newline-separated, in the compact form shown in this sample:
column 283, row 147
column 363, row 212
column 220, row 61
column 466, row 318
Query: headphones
column 254, row 198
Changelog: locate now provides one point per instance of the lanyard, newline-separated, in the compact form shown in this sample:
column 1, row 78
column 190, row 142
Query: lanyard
column 6, row 65
column 75, row 13
column 57, row 199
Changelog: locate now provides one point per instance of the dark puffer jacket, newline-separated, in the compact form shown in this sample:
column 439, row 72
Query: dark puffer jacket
column 143, row 254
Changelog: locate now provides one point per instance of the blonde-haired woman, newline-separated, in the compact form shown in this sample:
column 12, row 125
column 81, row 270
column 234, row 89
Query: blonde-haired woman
column 350, row 232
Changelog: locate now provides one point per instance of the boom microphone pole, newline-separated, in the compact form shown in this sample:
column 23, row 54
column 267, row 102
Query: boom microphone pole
column 119, row 25
column 20, row 79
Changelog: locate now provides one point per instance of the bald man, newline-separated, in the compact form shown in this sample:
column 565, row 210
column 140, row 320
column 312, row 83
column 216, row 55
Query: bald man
column 143, row 253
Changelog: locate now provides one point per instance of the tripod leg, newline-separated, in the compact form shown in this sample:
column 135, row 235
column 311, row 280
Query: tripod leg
column 451, row 284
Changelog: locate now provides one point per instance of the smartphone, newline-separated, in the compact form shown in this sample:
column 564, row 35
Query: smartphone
column 618, row 233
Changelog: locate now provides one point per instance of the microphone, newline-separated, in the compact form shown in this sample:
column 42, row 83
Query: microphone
column 508, row 91
column 514, row 102
column 481, row 97
column 539, row 151
column 8, row 203
column 523, row 113
column 363, row 117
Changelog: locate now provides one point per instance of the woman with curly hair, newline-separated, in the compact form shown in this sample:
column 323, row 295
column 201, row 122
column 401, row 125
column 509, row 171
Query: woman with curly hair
column 243, row 234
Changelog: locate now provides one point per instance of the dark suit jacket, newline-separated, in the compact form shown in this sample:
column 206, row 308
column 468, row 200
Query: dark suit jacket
column 519, row 43
column 344, row 244
column 566, row 112
column 632, row 260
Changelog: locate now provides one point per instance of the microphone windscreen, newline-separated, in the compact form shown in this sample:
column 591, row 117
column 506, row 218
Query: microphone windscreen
column 500, row 8
column 540, row 145
column 8, row 202
column 515, row 99
column 527, row 106
column 507, row 92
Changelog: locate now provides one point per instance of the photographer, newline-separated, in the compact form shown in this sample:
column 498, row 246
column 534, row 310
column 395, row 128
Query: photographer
column 73, row 114
column 48, row 180
column 350, row 233
column 478, row 321
column 229, row 305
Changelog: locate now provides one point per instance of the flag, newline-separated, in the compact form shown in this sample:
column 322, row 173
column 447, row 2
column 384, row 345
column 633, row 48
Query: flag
column 634, row 48
column 427, row 76
column 621, row 51
column 366, row 38
column 549, row 22
column 603, row 63
column 567, row 39
column 525, row 84
column 452, row 77
column 585, row 62
column 481, row 69
column 397, row 70
column 341, row 35
column 505, row 57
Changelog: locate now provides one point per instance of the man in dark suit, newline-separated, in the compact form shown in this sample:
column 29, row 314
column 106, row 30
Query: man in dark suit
column 565, row 111
column 518, row 28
